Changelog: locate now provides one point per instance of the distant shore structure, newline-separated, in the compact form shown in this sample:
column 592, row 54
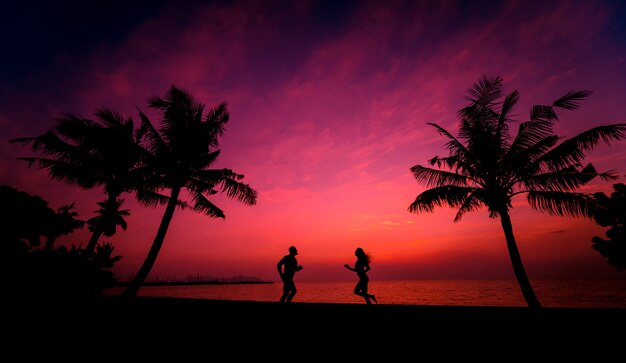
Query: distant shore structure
column 197, row 279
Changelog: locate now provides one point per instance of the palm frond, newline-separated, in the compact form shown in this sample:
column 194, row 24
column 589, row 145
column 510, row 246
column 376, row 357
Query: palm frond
column 608, row 175
column 153, row 141
column 510, row 101
column 531, row 132
column 522, row 159
column 216, row 120
column 450, row 163
column 239, row 191
column 66, row 172
column 203, row 205
column 75, row 128
column 120, row 221
column 180, row 109
column 470, row 204
column 22, row 140
column 454, row 145
column 209, row 159
column 572, row 151
column 571, row 100
column 566, row 204
column 542, row 113
column 564, row 180
column 508, row 106
column 482, row 96
column 50, row 144
column 587, row 140
column 209, row 178
column 172, row 97
column 437, row 178
column 452, row 196
column 148, row 198
column 114, row 119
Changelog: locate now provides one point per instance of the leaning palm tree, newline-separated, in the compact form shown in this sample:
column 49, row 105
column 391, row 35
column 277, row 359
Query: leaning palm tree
column 487, row 166
column 183, row 150
column 106, row 152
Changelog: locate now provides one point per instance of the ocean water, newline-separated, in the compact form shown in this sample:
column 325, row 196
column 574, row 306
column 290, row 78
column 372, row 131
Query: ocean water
column 596, row 293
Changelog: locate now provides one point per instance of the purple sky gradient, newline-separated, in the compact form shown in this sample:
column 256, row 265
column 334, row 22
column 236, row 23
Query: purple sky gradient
column 329, row 103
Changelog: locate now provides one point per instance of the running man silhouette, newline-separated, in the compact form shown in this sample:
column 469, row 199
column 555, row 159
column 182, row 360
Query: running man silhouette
column 287, row 268
column 361, row 267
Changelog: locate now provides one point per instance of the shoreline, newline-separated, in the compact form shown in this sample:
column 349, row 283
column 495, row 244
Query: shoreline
column 252, row 309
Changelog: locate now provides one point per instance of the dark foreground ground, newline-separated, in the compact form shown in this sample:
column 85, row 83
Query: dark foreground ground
column 189, row 328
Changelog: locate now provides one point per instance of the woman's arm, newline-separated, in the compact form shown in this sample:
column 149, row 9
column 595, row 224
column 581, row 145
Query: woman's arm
column 349, row 268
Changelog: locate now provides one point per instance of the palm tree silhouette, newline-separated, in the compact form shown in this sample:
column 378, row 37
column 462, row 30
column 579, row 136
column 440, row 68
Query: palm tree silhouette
column 106, row 152
column 183, row 149
column 487, row 166
column 108, row 217
column 62, row 222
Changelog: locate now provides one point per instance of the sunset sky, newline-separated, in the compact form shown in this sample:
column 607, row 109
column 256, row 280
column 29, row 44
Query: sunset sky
column 329, row 104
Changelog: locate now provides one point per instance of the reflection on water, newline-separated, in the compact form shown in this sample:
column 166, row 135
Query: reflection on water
column 551, row 292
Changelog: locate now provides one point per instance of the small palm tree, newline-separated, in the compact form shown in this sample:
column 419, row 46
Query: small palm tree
column 62, row 223
column 87, row 153
column 183, row 149
column 108, row 217
column 487, row 166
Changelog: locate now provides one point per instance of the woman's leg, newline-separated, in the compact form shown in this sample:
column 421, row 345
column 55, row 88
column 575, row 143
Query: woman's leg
column 366, row 296
column 365, row 292
column 361, row 290
column 373, row 297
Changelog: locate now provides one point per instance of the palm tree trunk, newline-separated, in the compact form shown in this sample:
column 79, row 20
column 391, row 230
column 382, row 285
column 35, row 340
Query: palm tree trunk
column 144, row 271
column 91, row 245
column 516, row 261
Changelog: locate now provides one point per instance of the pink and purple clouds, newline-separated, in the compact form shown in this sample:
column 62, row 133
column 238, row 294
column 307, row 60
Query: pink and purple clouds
column 329, row 103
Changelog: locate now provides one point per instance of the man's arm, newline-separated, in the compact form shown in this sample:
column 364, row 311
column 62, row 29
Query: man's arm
column 279, row 267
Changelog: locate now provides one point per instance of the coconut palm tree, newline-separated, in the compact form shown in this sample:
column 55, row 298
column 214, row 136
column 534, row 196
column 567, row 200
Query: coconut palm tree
column 108, row 217
column 487, row 166
column 106, row 152
column 183, row 149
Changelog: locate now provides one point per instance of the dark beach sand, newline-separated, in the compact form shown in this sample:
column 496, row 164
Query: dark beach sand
column 147, row 325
